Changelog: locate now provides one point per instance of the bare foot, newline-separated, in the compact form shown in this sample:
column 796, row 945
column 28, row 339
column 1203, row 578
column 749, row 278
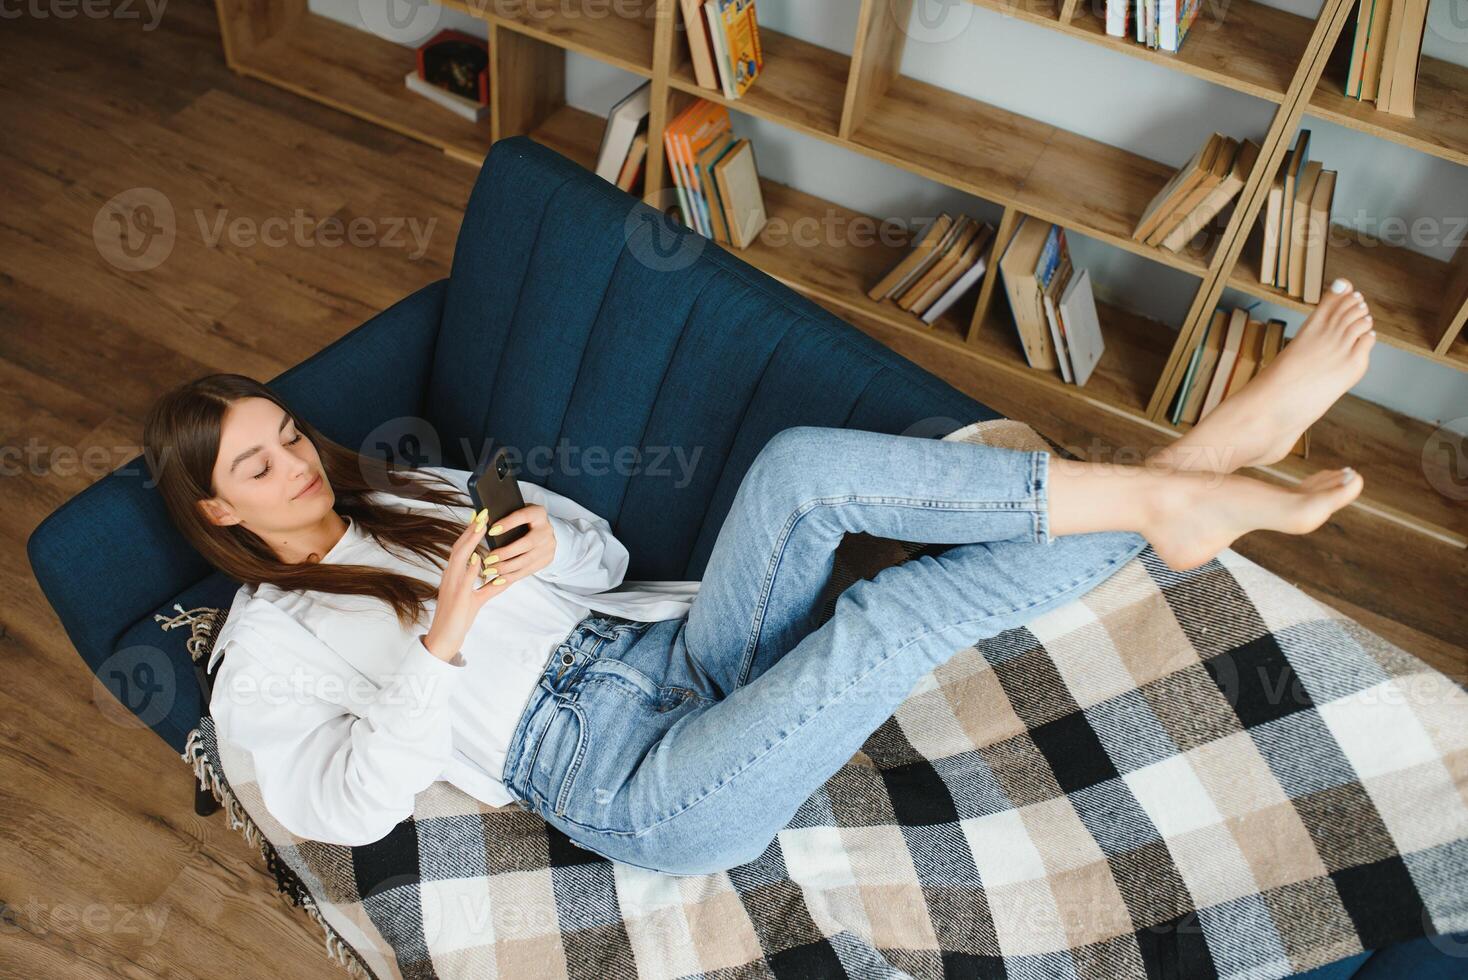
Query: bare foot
column 1260, row 422
column 1198, row 518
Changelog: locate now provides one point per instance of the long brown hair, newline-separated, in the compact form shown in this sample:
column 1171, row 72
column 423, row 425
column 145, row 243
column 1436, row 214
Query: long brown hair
column 181, row 444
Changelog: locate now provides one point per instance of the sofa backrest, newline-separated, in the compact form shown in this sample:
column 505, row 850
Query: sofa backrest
column 581, row 326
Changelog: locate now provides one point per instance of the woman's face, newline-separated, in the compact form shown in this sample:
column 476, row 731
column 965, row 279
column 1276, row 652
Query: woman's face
column 268, row 476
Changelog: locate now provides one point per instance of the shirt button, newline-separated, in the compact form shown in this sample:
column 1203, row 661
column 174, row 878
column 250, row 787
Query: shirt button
column 567, row 659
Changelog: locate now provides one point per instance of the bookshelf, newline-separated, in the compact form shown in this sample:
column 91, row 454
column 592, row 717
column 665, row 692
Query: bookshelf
column 1023, row 166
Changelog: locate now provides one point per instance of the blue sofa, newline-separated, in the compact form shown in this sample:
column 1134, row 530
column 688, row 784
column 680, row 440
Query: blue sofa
column 505, row 345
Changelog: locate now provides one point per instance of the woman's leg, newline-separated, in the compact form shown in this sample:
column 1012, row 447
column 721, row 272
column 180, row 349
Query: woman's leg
column 774, row 552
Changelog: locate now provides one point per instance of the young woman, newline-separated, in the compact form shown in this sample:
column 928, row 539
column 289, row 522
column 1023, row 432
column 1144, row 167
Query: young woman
column 673, row 726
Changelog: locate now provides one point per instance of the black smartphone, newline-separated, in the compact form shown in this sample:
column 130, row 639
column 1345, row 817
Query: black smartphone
column 494, row 487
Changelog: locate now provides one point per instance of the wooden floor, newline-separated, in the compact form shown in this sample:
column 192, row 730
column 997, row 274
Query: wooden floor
column 104, row 868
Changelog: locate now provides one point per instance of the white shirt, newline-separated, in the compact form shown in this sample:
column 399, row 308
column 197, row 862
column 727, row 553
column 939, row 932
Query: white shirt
column 346, row 714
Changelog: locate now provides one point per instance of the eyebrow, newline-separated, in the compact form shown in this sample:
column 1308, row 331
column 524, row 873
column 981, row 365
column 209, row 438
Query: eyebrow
column 255, row 449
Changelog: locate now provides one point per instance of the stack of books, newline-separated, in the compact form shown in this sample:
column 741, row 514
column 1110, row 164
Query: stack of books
column 944, row 264
column 1159, row 24
column 714, row 175
column 1296, row 222
column 1234, row 348
column 1054, row 308
column 623, row 150
column 723, row 43
column 1197, row 193
column 1386, row 54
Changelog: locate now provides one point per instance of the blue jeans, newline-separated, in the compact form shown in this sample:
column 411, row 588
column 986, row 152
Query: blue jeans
column 684, row 746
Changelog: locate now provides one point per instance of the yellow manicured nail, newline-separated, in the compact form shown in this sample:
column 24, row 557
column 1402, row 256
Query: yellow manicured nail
column 482, row 517
column 500, row 580
column 491, row 559
column 497, row 528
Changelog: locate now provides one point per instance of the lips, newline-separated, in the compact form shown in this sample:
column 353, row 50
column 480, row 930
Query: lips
column 310, row 487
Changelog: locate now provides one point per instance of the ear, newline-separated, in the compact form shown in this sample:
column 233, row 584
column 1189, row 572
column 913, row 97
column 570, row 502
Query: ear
column 216, row 513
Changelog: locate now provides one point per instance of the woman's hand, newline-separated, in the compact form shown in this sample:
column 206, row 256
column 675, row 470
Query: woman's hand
column 527, row 554
column 460, row 594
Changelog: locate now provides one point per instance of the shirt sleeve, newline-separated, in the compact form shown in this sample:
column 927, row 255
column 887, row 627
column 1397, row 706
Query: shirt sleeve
column 335, row 763
column 588, row 558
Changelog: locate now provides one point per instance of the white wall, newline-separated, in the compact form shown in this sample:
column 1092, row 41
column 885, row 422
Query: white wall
column 1107, row 96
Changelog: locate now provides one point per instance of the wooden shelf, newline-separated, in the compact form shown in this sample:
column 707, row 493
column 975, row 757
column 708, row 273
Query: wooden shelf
column 573, row 133
column 1254, row 49
column 360, row 73
column 801, row 86
column 1136, row 351
column 1440, row 127
column 588, row 27
column 1084, row 184
column 1403, row 287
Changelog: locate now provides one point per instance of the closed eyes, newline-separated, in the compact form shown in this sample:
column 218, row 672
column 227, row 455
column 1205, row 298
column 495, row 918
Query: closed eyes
column 267, row 462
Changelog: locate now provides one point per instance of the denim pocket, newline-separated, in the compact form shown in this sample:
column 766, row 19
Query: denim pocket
column 625, row 713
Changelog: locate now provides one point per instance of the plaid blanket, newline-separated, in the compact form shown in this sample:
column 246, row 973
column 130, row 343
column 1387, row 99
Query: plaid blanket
column 1179, row 774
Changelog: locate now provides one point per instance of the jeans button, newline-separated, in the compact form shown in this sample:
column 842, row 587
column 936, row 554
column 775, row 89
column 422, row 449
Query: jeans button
column 567, row 659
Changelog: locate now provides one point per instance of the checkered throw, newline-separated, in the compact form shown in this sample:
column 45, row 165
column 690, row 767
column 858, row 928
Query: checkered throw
column 1178, row 774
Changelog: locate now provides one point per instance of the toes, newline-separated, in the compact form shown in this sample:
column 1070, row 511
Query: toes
column 1332, row 301
column 1364, row 340
column 1351, row 311
column 1361, row 325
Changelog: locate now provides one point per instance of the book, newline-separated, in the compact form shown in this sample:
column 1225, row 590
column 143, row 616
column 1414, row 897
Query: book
column 1406, row 60
column 965, row 252
column 1272, row 220
column 737, row 178
column 703, row 170
column 1247, row 361
column 675, row 161
column 700, row 48
column 1053, row 283
column 1228, row 355
column 632, row 166
column 455, row 103
column 1299, row 155
column 916, row 258
column 1082, row 327
column 972, row 274
column 1017, row 271
column 1174, row 20
column 1240, row 165
column 1375, row 45
column 1217, row 168
column 737, row 41
column 704, row 125
column 1177, row 187
column 953, row 247
column 722, row 66
column 1396, row 12
column 1299, row 226
column 1317, row 235
column 1118, row 17
column 1189, row 402
column 623, row 121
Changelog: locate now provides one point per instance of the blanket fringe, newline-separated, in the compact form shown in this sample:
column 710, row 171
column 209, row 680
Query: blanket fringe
column 200, row 621
column 287, row 883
